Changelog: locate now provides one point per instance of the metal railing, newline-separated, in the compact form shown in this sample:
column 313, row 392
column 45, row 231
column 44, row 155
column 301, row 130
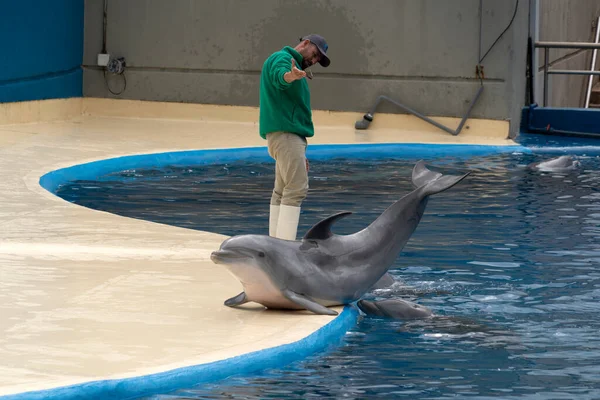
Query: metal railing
column 588, row 91
column 562, row 45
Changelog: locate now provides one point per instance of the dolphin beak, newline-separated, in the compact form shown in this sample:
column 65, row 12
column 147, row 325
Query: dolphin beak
column 222, row 256
column 214, row 256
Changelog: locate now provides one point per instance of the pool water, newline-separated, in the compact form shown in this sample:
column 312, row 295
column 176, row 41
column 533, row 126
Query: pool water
column 509, row 261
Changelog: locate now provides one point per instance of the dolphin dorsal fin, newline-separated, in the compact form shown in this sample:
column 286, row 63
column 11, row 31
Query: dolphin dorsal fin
column 322, row 229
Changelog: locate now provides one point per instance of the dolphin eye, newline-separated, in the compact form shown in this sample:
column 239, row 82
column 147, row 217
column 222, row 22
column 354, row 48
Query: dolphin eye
column 261, row 254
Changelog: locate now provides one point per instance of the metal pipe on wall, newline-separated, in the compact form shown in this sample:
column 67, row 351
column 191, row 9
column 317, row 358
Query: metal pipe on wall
column 368, row 117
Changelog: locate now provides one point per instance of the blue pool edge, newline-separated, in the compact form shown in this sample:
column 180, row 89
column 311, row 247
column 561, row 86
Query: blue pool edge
column 52, row 180
column 326, row 337
column 329, row 335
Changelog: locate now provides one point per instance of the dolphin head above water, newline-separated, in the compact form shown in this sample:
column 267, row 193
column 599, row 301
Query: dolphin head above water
column 253, row 260
column 245, row 252
column 324, row 269
column 394, row 308
column 557, row 164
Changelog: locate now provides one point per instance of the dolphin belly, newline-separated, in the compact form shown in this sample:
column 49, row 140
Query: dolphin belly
column 259, row 288
column 269, row 297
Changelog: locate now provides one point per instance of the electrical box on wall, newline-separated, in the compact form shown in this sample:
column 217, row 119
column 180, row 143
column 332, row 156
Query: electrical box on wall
column 103, row 59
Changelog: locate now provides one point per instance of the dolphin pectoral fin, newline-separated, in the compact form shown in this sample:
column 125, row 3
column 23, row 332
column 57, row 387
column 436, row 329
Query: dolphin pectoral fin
column 237, row 300
column 307, row 303
column 322, row 229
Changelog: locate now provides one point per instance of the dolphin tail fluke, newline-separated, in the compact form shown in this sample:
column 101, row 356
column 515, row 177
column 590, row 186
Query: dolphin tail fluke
column 433, row 182
column 422, row 176
column 443, row 183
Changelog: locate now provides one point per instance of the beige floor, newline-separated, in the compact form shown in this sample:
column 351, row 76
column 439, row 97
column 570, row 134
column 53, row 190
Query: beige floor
column 87, row 295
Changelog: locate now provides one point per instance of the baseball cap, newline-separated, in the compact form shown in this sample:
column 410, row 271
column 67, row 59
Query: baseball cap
column 321, row 44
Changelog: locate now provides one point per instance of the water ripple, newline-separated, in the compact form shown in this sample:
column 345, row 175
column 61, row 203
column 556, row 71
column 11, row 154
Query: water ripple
column 507, row 260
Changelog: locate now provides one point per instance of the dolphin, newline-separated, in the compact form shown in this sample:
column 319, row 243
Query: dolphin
column 385, row 282
column 421, row 319
column 324, row 269
column 394, row 308
column 557, row 164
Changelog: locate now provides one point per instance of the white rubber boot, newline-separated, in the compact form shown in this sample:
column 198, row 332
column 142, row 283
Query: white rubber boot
column 273, row 219
column 287, row 226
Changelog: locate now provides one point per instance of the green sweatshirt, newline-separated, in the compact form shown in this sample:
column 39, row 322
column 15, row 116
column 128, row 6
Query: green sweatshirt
column 284, row 106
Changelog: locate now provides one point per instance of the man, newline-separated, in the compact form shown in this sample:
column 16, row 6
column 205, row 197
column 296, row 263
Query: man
column 286, row 121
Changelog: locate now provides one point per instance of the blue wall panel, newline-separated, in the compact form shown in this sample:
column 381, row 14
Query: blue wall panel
column 583, row 122
column 42, row 49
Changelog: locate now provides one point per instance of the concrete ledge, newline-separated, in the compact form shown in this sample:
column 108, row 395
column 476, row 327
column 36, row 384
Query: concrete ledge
column 275, row 357
column 40, row 111
column 99, row 107
column 208, row 112
column 65, row 109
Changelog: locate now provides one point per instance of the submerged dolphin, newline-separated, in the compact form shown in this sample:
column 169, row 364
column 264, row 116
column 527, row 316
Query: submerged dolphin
column 420, row 319
column 558, row 164
column 324, row 269
column 394, row 308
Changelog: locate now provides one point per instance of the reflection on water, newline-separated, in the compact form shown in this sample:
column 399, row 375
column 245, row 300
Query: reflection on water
column 507, row 260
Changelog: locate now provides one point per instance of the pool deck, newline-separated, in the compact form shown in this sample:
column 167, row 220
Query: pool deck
column 87, row 295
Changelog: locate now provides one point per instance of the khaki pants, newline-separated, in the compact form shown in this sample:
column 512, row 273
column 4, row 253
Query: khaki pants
column 291, row 177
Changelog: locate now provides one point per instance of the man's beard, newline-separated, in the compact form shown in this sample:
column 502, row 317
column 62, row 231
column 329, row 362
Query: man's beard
column 305, row 64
